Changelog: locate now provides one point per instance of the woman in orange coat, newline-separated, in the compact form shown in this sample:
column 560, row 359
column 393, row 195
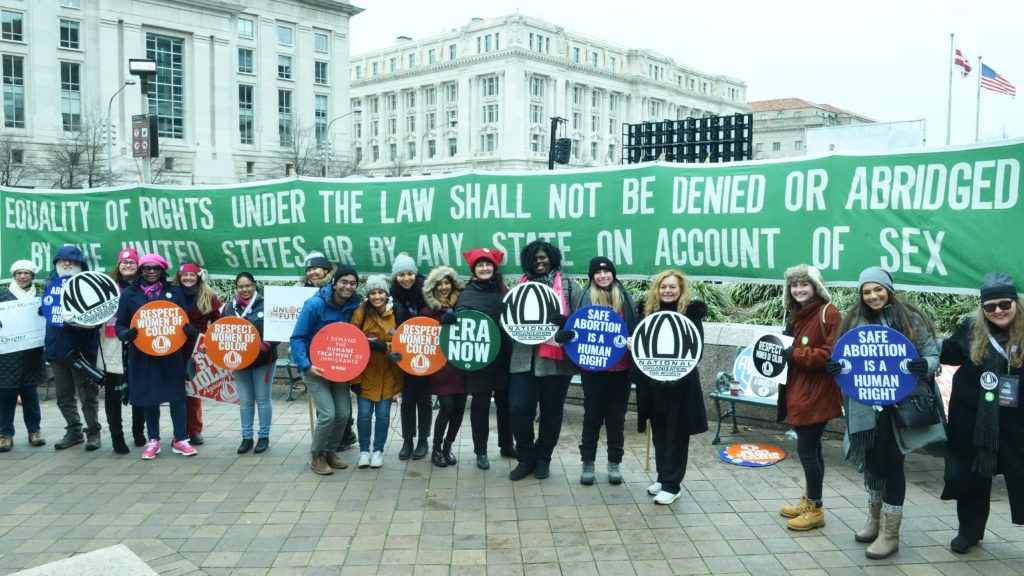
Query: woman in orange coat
column 810, row 397
column 382, row 379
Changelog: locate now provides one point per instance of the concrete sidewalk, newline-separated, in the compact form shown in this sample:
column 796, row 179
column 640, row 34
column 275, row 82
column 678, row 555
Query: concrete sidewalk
column 220, row 513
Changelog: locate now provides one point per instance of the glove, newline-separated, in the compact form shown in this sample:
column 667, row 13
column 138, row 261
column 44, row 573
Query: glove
column 378, row 346
column 563, row 336
column 130, row 335
column 833, row 369
column 190, row 331
column 558, row 319
column 124, row 395
column 502, row 307
column 355, row 389
column 448, row 319
column 787, row 355
column 395, row 356
column 265, row 346
column 40, row 311
column 918, row 367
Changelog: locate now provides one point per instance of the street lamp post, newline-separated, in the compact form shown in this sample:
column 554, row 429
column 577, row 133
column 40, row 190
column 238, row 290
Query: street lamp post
column 423, row 138
column 323, row 144
column 110, row 136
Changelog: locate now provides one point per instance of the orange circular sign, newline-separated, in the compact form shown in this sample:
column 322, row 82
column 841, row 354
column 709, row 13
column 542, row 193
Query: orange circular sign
column 419, row 341
column 340, row 350
column 232, row 343
column 160, row 328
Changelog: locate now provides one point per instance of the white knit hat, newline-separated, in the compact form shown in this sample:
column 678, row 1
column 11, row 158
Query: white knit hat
column 24, row 265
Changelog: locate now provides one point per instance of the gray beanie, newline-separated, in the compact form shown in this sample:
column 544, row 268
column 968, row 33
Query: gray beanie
column 998, row 285
column 378, row 282
column 404, row 263
column 878, row 276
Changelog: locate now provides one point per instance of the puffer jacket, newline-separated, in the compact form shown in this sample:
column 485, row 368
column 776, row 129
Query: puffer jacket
column 382, row 378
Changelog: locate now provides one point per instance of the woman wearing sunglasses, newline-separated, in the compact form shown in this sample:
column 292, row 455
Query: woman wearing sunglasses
column 986, row 421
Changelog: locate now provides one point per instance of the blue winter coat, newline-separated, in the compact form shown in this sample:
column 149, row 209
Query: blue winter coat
column 152, row 380
column 317, row 312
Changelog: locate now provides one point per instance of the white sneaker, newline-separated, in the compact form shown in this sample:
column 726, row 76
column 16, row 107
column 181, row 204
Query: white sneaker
column 364, row 460
column 666, row 498
column 653, row 489
column 377, row 460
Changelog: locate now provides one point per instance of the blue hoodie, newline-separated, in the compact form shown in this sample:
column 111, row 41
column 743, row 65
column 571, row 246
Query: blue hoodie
column 319, row 311
column 60, row 341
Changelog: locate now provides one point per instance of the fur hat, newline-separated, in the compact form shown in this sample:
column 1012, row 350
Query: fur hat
column 998, row 285
column 128, row 254
column 805, row 273
column 24, row 265
column 378, row 282
column 477, row 254
column 433, row 278
column 878, row 276
column 404, row 263
column 601, row 263
column 153, row 259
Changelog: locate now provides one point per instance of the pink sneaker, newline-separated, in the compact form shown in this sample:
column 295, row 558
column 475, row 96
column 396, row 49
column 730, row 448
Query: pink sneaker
column 183, row 447
column 152, row 449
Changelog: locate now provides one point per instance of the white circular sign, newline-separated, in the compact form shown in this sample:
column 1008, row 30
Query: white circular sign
column 89, row 299
column 527, row 319
column 666, row 346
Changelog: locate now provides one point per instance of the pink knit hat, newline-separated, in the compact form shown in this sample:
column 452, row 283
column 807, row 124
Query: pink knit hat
column 153, row 259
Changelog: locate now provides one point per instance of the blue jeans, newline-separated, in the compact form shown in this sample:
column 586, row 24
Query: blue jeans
column 253, row 387
column 29, row 408
column 177, row 421
column 333, row 404
column 527, row 393
column 368, row 409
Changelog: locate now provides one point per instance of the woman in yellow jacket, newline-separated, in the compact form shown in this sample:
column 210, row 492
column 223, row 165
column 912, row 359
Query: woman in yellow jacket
column 378, row 385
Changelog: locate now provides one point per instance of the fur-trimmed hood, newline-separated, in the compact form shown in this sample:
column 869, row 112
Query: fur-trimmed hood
column 431, row 282
column 808, row 274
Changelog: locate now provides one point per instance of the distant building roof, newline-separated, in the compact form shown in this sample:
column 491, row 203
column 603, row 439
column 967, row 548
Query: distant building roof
column 794, row 103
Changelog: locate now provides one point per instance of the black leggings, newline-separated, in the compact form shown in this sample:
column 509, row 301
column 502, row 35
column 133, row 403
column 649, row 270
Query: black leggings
column 892, row 458
column 415, row 409
column 808, row 448
column 451, row 408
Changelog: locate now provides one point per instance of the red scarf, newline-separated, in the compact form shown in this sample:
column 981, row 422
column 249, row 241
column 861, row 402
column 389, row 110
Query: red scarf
column 548, row 348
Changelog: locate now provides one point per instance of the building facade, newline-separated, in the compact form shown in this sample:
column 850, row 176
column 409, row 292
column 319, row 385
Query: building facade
column 244, row 91
column 482, row 97
column 780, row 125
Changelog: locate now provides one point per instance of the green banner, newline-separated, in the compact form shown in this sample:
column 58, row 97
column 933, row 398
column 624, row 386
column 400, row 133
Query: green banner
column 937, row 219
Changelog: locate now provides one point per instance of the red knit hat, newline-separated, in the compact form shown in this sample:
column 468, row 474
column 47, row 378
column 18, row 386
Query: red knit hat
column 128, row 254
column 189, row 267
column 477, row 254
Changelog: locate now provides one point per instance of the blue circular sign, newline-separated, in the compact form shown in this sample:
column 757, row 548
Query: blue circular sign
column 52, row 310
column 874, row 360
column 600, row 340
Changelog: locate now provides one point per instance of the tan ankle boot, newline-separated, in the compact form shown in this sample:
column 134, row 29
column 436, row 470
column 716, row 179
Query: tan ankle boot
column 870, row 530
column 888, row 540
column 792, row 511
column 812, row 517
column 335, row 462
column 318, row 463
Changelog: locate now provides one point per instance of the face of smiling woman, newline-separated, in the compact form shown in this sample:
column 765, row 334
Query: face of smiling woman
column 874, row 295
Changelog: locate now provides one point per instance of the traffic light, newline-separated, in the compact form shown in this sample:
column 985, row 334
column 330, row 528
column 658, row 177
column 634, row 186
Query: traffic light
column 563, row 150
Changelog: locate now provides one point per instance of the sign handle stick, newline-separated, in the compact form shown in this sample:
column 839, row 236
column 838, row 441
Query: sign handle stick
column 647, row 466
column 309, row 397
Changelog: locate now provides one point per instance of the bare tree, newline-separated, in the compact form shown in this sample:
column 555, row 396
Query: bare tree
column 303, row 152
column 399, row 166
column 13, row 168
column 79, row 157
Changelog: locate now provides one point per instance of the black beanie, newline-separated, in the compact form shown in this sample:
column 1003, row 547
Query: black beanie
column 345, row 270
column 998, row 285
column 600, row 263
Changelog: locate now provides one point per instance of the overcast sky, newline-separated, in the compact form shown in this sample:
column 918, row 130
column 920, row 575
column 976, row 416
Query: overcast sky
column 888, row 60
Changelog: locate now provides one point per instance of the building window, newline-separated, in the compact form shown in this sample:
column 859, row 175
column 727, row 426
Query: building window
column 12, row 27
column 357, row 130
column 798, row 113
column 412, row 60
column 452, row 51
column 453, row 117
column 18, row 157
column 245, row 114
column 410, row 124
column 451, row 92
column 167, row 88
column 577, row 95
column 613, row 102
column 432, row 56
column 284, row 117
column 359, row 155
column 430, row 95
column 593, row 150
column 759, row 147
column 376, row 68
column 798, row 145
column 410, row 99
column 320, row 42
column 392, row 126
column 776, row 146
column 14, row 91
column 250, row 168
column 320, row 117
column 611, row 126
column 69, row 34
column 320, row 72
column 536, row 143
column 453, row 147
column 490, row 114
column 374, row 130
column 393, row 152
column 245, row 28
column 284, row 67
column 359, row 72
column 611, row 152
column 393, row 65
column 488, row 142
column 611, row 63
column 576, row 55
column 536, row 114
column 593, row 59
column 595, row 123
column 375, row 153
column 412, row 150
column 595, row 99
column 537, row 87
column 245, row 60
column 490, row 86
column 71, row 96
column 431, row 120
column 577, row 121
column 284, row 35
column 654, row 109
column 392, row 102
column 431, row 148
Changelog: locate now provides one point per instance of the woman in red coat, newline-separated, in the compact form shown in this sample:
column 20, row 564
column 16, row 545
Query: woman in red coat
column 810, row 397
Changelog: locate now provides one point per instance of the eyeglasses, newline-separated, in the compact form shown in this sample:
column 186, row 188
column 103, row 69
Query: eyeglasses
column 1002, row 305
column 129, row 263
column 245, row 287
column 151, row 269
column 352, row 283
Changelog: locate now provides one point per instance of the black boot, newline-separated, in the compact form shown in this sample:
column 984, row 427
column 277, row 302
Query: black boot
column 448, row 456
column 406, row 450
column 117, row 439
column 421, row 450
column 437, row 457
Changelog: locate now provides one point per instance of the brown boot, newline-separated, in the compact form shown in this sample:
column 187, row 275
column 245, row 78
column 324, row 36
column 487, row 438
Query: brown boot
column 888, row 540
column 813, row 516
column 318, row 463
column 792, row 511
column 334, row 462
column 870, row 530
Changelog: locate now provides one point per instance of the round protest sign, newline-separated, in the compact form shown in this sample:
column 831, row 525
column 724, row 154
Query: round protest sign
column 767, row 356
column 160, row 328
column 473, row 342
column 340, row 350
column 50, row 302
column 89, row 299
column 750, row 382
column 753, row 455
column 527, row 317
column 666, row 346
column 874, row 360
column 418, row 340
column 232, row 343
column 600, row 340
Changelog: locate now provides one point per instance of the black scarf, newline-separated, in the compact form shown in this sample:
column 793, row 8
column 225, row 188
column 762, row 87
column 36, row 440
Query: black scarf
column 986, row 421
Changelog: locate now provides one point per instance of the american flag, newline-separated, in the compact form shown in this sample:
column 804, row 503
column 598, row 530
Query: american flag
column 990, row 80
column 960, row 61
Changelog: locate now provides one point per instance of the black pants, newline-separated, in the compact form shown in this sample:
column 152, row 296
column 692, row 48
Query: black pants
column 671, row 450
column 528, row 394
column 887, row 451
column 480, row 420
column 113, row 387
column 605, row 400
column 808, row 448
column 451, row 409
column 416, row 408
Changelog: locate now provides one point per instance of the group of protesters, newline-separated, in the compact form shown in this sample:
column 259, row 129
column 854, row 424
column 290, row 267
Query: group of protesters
column 528, row 384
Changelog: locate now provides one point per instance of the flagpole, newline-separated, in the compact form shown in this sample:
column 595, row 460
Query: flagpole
column 977, row 110
column 949, row 92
